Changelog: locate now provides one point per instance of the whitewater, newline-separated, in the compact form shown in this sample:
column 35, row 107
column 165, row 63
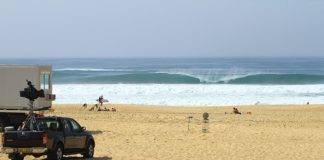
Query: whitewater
column 191, row 94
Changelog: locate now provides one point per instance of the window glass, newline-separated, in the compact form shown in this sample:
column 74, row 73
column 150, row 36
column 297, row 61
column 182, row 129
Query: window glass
column 44, row 81
column 75, row 126
column 67, row 127
column 47, row 124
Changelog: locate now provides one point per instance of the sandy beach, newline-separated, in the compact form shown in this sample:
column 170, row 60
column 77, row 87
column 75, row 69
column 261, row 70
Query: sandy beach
column 159, row 132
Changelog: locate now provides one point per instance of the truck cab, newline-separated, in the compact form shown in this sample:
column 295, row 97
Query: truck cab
column 13, row 108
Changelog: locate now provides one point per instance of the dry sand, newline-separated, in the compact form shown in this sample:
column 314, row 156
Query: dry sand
column 157, row 132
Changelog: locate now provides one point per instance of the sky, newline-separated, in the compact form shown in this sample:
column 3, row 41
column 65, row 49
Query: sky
column 165, row 28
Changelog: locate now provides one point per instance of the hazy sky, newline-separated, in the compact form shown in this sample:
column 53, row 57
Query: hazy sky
column 165, row 28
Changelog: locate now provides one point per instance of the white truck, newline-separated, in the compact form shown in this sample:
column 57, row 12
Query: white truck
column 13, row 108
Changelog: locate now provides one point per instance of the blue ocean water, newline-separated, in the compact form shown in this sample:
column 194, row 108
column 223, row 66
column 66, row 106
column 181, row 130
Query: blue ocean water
column 184, row 71
column 187, row 81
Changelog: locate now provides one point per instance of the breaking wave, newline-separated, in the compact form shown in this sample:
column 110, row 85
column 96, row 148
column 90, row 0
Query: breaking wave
column 168, row 78
column 277, row 79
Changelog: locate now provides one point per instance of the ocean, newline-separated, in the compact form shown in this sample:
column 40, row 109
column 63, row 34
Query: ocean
column 187, row 81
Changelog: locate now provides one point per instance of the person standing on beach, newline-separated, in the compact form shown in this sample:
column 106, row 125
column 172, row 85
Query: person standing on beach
column 101, row 99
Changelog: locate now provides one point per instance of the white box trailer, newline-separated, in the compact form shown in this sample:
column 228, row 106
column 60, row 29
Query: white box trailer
column 13, row 108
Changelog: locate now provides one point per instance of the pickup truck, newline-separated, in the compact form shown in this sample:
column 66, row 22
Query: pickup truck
column 55, row 137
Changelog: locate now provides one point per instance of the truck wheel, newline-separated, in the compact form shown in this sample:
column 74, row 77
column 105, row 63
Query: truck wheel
column 89, row 150
column 16, row 156
column 56, row 154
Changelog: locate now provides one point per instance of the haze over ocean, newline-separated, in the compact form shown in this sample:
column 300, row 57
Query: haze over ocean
column 187, row 81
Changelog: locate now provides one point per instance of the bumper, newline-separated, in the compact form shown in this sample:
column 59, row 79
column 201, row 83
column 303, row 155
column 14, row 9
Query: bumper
column 36, row 150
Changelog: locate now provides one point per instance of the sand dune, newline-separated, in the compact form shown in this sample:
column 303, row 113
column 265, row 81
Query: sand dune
column 158, row 132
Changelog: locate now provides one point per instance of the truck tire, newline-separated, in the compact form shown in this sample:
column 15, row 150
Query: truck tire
column 16, row 156
column 89, row 150
column 56, row 154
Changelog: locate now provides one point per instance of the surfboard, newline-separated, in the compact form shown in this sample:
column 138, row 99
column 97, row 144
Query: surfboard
column 104, row 100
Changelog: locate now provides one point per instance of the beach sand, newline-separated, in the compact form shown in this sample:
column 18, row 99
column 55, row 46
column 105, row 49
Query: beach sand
column 159, row 132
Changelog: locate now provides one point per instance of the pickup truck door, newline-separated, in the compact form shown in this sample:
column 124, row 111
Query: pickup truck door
column 68, row 134
column 79, row 138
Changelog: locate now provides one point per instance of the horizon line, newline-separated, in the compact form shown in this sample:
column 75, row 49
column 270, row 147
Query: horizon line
column 179, row 57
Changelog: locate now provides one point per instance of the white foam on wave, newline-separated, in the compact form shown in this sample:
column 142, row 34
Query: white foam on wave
column 190, row 94
column 214, row 75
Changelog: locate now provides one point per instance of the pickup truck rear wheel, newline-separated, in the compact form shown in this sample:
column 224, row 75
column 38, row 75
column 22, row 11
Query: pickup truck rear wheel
column 56, row 154
column 89, row 150
column 16, row 156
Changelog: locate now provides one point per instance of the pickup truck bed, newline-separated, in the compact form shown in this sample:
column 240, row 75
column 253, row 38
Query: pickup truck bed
column 24, row 139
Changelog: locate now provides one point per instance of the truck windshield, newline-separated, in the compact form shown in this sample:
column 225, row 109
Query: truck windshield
column 48, row 124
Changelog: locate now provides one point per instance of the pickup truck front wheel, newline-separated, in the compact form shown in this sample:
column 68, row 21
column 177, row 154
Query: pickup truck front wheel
column 56, row 154
column 89, row 150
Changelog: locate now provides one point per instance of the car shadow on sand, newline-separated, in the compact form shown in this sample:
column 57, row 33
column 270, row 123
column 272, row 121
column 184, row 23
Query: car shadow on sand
column 94, row 158
column 95, row 132
column 80, row 158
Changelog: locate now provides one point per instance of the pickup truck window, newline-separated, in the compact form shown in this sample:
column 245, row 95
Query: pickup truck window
column 75, row 126
column 67, row 127
column 48, row 124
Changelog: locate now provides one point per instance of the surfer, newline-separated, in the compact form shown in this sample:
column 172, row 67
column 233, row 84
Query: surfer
column 101, row 99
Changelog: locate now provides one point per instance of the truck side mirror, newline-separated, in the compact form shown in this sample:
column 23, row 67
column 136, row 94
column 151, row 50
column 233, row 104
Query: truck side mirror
column 84, row 128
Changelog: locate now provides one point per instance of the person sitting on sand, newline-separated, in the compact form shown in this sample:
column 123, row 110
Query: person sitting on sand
column 236, row 111
column 113, row 109
column 106, row 109
column 85, row 105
